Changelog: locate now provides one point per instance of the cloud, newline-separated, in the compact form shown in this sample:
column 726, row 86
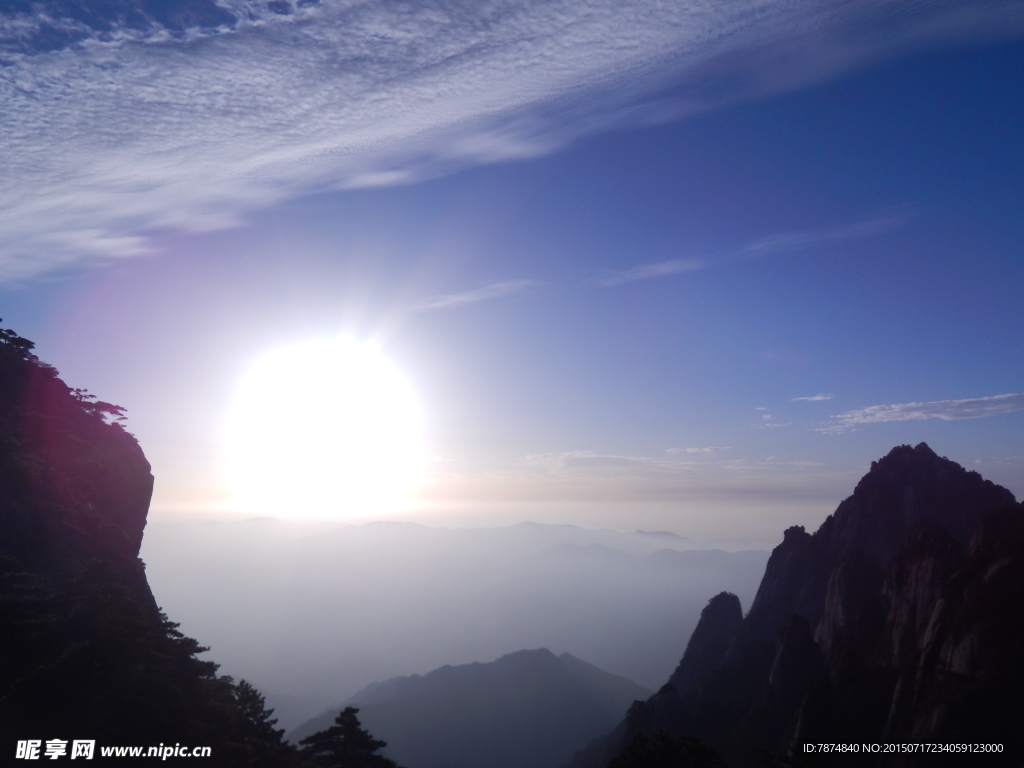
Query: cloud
column 492, row 291
column 947, row 410
column 789, row 242
column 769, row 246
column 122, row 135
column 813, row 398
column 586, row 462
column 649, row 271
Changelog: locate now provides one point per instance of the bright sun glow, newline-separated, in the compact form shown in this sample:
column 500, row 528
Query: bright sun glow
column 324, row 428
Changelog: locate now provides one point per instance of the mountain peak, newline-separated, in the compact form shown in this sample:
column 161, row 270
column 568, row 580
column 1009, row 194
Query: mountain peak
column 893, row 622
column 527, row 709
column 719, row 622
column 907, row 491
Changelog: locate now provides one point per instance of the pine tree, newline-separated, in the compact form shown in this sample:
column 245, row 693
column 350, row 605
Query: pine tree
column 252, row 740
column 346, row 745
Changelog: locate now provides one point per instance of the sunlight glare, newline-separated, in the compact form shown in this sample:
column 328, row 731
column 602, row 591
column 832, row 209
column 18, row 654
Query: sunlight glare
column 324, row 428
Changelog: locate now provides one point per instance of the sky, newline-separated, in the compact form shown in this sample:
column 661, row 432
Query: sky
column 666, row 266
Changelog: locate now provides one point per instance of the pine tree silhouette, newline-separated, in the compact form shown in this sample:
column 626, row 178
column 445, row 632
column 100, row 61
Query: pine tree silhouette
column 346, row 745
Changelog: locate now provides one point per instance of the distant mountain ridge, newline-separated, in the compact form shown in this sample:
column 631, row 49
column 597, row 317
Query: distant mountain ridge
column 898, row 621
column 529, row 709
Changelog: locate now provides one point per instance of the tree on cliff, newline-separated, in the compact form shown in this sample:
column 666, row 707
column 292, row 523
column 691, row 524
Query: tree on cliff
column 346, row 745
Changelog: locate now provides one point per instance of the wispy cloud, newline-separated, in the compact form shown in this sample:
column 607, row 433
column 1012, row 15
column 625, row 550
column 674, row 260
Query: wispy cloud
column 488, row 292
column 812, row 398
column 118, row 137
column 650, row 271
column 947, row 410
column 787, row 242
column 586, row 462
column 596, row 464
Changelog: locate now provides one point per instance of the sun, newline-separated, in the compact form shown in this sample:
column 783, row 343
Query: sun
column 324, row 428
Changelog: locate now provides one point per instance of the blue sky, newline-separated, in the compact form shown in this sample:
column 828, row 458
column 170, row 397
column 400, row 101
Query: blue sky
column 679, row 268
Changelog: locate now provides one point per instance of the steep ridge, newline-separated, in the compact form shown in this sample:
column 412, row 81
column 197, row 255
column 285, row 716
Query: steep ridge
column 85, row 653
column 75, row 485
column 529, row 709
column 898, row 621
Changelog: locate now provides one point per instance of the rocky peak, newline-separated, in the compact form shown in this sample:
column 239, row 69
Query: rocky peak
column 907, row 491
column 719, row 622
column 893, row 622
column 823, row 576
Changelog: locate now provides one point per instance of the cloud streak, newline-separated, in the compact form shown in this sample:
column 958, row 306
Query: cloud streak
column 651, row 271
column 946, row 410
column 772, row 245
column 487, row 293
column 118, row 137
column 790, row 242
column 812, row 398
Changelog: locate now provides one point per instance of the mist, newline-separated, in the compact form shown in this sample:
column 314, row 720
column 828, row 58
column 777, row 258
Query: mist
column 311, row 614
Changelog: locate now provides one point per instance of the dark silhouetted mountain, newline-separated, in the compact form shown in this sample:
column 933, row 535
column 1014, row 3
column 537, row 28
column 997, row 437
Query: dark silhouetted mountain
column 529, row 709
column 898, row 621
column 85, row 653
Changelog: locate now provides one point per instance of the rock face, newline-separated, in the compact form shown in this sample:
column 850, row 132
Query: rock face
column 74, row 485
column 897, row 621
column 529, row 709
column 85, row 653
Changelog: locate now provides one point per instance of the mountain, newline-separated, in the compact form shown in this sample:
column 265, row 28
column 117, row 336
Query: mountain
column 897, row 622
column 529, row 709
column 85, row 653
column 357, row 603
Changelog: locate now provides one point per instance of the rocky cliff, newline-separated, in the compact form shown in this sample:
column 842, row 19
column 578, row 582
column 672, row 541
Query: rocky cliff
column 898, row 621
column 74, row 485
column 85, row 653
